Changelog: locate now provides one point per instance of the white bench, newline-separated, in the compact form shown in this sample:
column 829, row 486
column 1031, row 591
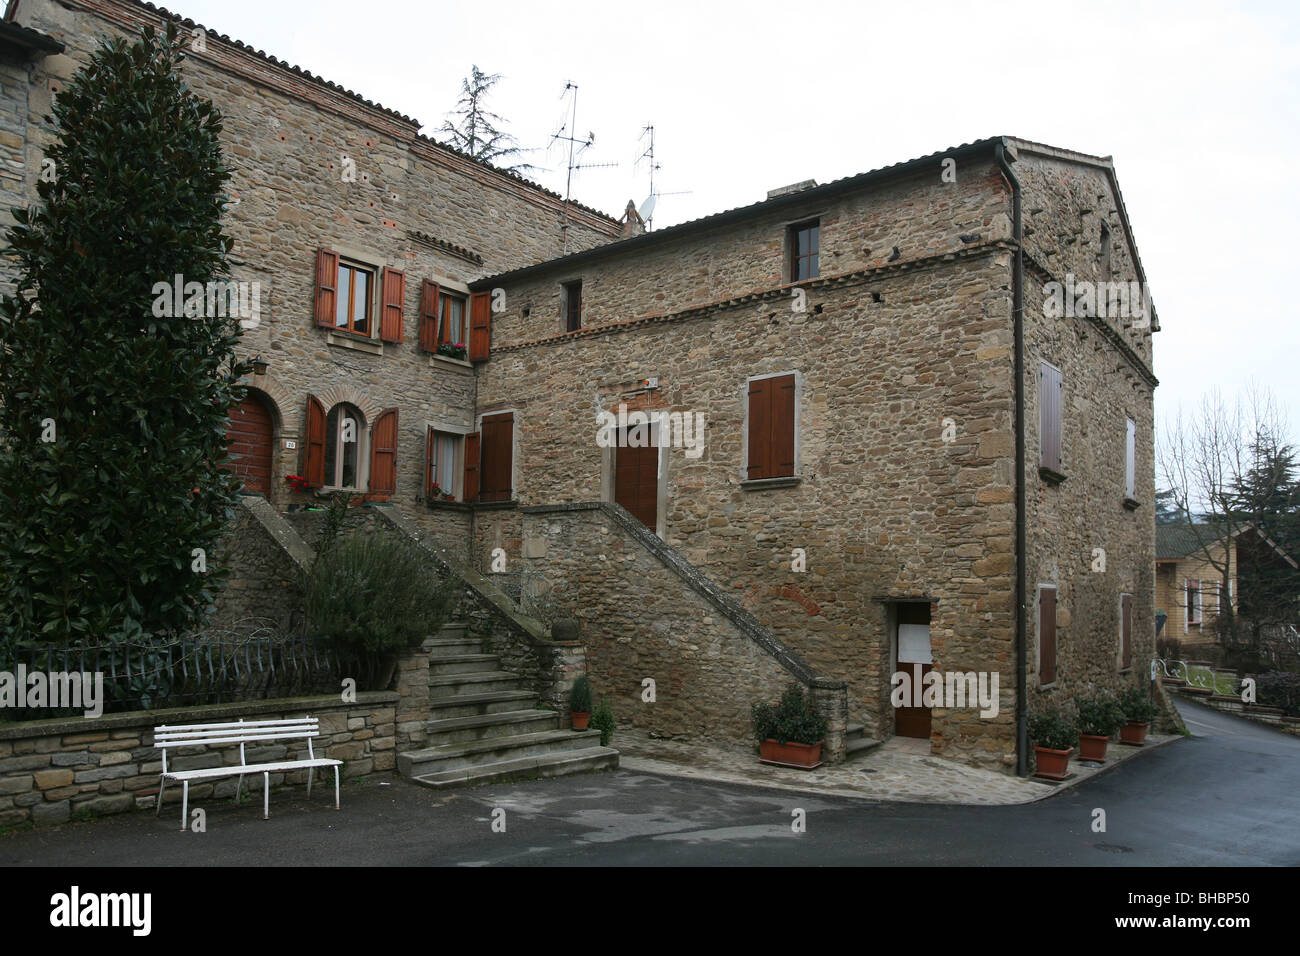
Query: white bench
column 242, row 732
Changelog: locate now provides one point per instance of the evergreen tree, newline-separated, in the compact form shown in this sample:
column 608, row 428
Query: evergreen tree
column 1167, row 510
column 113, row 417
column 475, row 131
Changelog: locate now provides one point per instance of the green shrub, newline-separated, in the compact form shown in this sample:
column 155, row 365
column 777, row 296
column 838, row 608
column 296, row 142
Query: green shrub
column 1137, row 706
column 602, row 719
column 1280, row 689
column 794, row 720
column 1100, row 715
column 370, row 594
column 1053, row 729
column 580, row 696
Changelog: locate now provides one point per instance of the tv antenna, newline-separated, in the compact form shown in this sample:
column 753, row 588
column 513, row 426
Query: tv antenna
column 577, row 146
column 647, row 210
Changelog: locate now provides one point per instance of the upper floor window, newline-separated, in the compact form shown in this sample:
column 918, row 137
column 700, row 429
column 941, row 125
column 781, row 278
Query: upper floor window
column 1049, row 421
column 804, row 244
column 344, row 427
column 1193, row 602
column 350, row 293
column 352, row 310
column 1105, row 253
column 771, row 428
column 1130, row 459
column 440, row 464
column 452, row 324
column 573, row 305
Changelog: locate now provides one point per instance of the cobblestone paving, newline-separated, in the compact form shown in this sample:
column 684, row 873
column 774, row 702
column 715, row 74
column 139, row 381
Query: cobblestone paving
column 899, row 770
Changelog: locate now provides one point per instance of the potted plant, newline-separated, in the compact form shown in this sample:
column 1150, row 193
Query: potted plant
column 456, row 351
column 580, row 703
column 602, row 719
column 1100, row 715
column 790, row 734
column 1139, row 711
column 1054, row 734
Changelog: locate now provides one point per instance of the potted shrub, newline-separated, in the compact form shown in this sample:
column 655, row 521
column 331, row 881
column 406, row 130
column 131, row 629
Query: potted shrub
column 602, row 719
column 1139, row 711
column 1054, row 734
column 790, row 734
column 1100, row 715
column 580, row 703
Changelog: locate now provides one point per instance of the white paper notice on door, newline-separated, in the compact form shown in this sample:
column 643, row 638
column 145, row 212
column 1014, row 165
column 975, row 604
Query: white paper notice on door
column 914, row 644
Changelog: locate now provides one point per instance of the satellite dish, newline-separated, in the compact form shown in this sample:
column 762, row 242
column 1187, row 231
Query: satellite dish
column 648, row 207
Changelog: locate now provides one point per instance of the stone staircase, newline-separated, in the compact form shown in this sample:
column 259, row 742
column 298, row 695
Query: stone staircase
column 485, row 728
column 856, row 741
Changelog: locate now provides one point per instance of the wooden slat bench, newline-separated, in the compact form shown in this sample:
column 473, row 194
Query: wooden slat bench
column 241, row 732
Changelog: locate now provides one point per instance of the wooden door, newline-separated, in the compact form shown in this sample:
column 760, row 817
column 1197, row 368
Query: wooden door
column 636, row 480
column 250, row 438
column 911, row 655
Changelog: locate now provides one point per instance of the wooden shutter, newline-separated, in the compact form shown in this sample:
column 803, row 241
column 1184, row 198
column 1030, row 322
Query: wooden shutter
column 392, row 315
column 383, row 454
column 429, row 292
column 495, row 474
column 314, row 445
column 1126, row 630
column 327, row 287
column 1049, row 417
column 472, row 443
column 1046, row 635
column 760, row 429
column 783, row 424
column 480, row 326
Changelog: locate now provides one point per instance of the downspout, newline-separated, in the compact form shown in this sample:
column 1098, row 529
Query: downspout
column 1018, row 326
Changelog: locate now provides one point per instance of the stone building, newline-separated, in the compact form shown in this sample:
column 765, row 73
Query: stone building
column 886, row 423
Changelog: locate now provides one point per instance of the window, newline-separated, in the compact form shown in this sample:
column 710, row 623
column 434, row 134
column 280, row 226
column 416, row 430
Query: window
column 1049, row 421
column 343, row 432
column 452, row 324
column 1130, row 459
column 1046, row 634
column 496, row 475
column 771, row 427
column 1125, row 631
column 352, row 306
column 440, row 464
column 572, row 305
column 805, row 239
column 1193, row 602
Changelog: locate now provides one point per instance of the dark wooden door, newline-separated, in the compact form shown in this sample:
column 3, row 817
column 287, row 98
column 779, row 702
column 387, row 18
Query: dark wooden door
column 636, row 481
column 250, row 440
column 910, row 721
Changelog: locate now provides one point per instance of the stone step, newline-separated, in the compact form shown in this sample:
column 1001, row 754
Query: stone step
column 471, row 705
column 475, row 753
column 450, row 646
column 508, row 723
column 856, row 742
column 480, row 682
column 524, row 768
column 443, row 665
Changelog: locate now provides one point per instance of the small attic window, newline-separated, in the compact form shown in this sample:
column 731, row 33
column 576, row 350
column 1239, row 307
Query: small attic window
column 1105, row 253
column 805, row 242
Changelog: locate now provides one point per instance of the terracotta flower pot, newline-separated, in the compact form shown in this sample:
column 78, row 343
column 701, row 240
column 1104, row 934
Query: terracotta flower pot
column 1052, row 764
column 802, row 756
column 1134, row 733
column 1093, row 747
column 580, row 719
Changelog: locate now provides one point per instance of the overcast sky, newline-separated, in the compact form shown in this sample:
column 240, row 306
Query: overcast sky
column 1196, row 102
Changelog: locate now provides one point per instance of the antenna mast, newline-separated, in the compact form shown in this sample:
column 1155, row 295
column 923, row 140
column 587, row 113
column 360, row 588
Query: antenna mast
column 576, row 148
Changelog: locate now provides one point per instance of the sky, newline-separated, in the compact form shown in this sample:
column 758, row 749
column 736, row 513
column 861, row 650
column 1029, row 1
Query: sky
column 1196, row 102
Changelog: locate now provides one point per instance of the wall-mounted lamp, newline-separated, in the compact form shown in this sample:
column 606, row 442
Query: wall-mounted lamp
column 259, row 366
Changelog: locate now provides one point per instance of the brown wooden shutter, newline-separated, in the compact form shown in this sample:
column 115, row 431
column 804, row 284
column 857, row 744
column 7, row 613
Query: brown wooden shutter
column 392, row 316
column 327, row 287
column 472, row 443
column 314, row 444
column 383, row 454
column 1046, row 635
column 480, row 326
column 783, row 425
column 1049, row 417
column 495, row 475
column 760, row 429
column 429, row 292
column 1126, row 625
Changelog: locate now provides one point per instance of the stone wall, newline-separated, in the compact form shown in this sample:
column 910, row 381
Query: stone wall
column 265, row 566
column 645, row 613
column 54, row 770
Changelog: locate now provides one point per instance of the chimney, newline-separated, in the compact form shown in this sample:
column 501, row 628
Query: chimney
column 633, row 224
column 793, row 188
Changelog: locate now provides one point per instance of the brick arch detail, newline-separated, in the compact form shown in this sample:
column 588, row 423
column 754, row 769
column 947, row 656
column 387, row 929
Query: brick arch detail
column 332, row 395
column 274, row 396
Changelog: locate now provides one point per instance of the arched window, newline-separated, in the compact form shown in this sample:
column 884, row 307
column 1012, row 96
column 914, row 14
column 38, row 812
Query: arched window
column 345, row 436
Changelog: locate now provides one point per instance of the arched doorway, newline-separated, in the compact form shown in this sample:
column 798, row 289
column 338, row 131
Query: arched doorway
column 251, row 439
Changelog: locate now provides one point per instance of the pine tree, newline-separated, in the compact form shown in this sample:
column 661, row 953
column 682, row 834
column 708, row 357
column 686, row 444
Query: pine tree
column 475, row 131
column 113, row 417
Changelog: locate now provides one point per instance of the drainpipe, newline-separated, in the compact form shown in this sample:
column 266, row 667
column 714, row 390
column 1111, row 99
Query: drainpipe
column 1018, row 325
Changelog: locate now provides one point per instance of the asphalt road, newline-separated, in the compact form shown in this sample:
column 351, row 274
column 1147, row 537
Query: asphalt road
column 1230, row 795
